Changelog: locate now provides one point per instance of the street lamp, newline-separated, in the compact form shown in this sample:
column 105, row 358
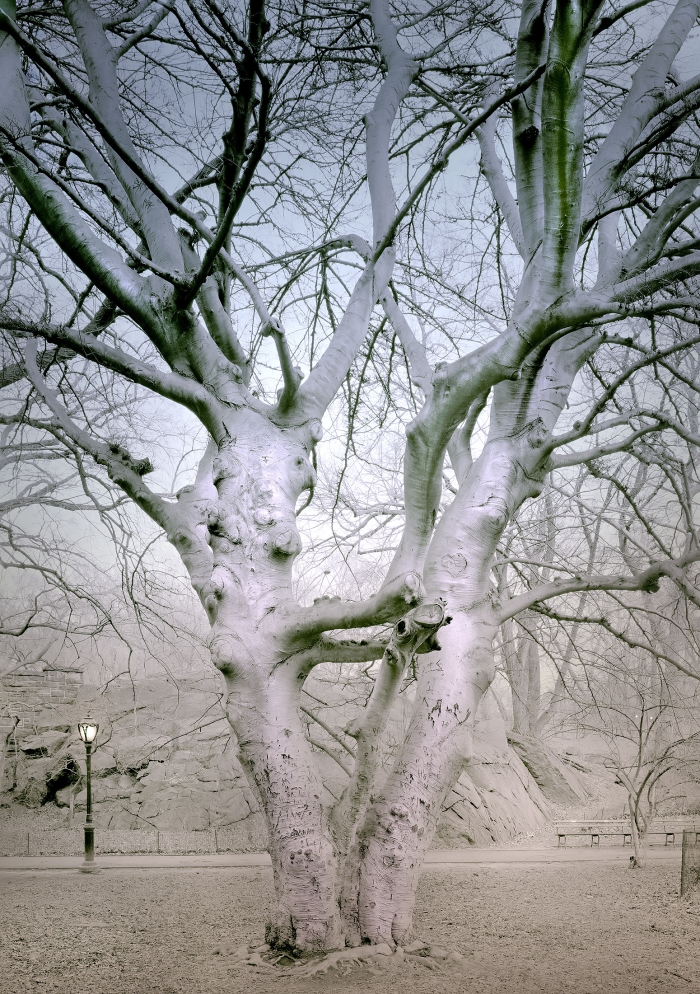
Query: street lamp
column 88, row 733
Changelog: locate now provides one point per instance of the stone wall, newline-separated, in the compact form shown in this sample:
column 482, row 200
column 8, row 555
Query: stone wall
column 27, row 695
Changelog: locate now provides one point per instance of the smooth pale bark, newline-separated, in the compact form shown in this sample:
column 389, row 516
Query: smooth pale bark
column 247, row 513
column 562, row 140
column 533, row 38
column 401, row 824
column 282, row 771
column 350, row 813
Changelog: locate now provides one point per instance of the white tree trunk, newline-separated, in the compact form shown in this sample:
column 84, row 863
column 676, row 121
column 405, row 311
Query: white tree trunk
column 401, row 825
column 282, row 771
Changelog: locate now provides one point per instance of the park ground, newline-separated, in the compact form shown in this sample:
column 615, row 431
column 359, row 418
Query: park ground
column 591, row 927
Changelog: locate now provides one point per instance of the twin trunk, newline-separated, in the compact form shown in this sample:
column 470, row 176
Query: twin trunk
column 336, row 882
column 345, row 870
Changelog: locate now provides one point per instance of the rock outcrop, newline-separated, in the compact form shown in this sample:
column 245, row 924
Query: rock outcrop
column 559, row 783
column 164, row 760
column 496, row 798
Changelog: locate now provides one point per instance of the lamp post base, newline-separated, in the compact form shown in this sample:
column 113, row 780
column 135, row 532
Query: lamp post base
column 88, row 864
column 89, row 867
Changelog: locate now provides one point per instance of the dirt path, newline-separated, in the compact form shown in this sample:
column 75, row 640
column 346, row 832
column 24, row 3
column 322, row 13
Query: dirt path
column 585, row 927
column 448, row 857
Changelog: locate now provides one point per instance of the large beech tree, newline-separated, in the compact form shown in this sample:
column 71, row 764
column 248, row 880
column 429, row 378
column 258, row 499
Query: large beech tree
column 175, row 167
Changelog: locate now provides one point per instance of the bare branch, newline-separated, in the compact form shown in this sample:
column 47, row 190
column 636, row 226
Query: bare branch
column 607, row 22
column 638, row 108
column 599, row 451
column 421, row 371
column 441, row 162
column 122, row 468
column 148, row 29
column 391, row 602
column 98, row 57
column 171, row 385
column 326, row 377
column 493, row 171
column 646, row 581
column 291, row 374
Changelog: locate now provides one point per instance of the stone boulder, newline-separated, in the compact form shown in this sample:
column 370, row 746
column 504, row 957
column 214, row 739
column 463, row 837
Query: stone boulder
column 135, row 752
column 50, row 720
column 113, row 791
column 49, row 763
column 102, row 761
column 62, row 797
column 177, row 794
column 495, row 798
column 31, row 781
column 120, row 819
column 46, row 743
column 183, row 794
column 37, row 780
column 559, row 783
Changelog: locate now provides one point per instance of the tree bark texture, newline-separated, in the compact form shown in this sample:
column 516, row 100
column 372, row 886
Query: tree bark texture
column 690, row 865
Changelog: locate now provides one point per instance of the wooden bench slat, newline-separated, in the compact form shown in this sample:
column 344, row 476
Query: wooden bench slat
column 608, row 827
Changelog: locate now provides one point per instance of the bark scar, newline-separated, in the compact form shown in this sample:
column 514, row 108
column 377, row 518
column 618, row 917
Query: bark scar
column 455, row 565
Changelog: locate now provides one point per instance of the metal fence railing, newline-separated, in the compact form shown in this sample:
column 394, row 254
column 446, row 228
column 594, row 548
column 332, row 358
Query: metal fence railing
column 69, row 841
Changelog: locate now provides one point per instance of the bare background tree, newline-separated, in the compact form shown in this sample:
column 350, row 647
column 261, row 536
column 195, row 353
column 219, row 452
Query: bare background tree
column 82, row 583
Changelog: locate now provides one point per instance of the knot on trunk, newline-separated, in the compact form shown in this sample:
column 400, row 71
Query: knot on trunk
column 263, row 516
column 495, row 510
column 223, row 526
column 413, row 589
column 286, row 541
column 142, row 467
column 528, row 136
column 418, row 625
column 212, row 593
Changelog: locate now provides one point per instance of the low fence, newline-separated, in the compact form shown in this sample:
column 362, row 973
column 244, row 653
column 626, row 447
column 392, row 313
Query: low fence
column 70, row 841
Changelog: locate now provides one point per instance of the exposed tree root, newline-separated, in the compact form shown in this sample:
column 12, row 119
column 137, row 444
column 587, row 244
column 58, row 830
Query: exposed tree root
column 377, row 959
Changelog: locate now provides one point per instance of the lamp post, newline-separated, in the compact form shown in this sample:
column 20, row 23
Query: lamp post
column 88, row 730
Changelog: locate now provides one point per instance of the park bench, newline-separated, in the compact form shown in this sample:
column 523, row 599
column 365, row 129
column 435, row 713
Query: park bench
column 668, row 827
